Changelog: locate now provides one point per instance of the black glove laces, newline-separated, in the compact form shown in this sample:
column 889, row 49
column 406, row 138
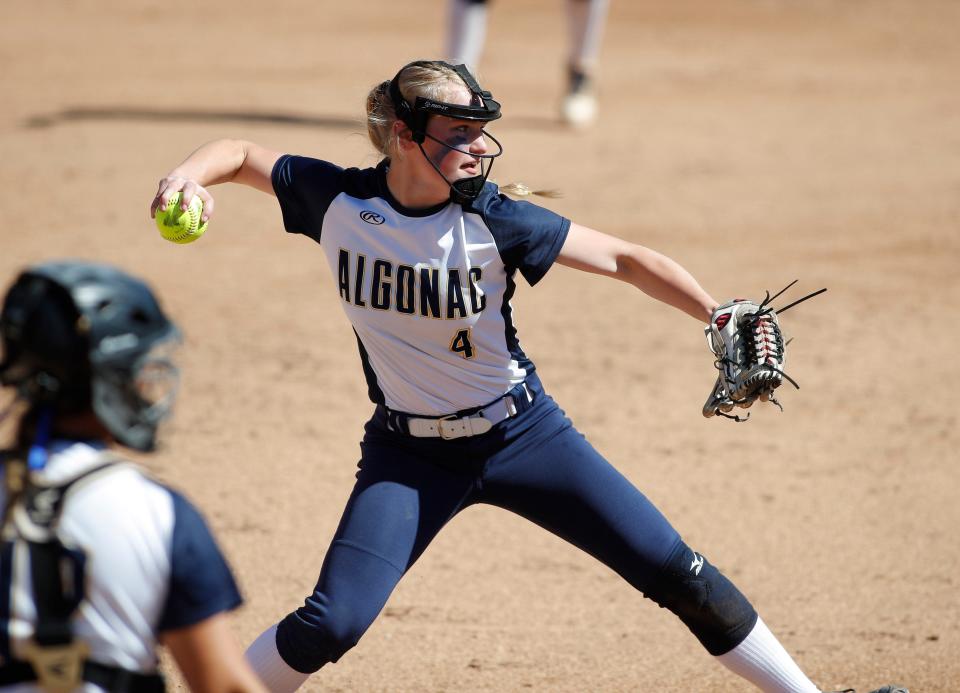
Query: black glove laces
column 749, row 323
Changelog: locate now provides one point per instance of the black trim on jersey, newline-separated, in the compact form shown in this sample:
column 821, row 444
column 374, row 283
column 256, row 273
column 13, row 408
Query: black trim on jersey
column 510, row 330
column 373, row 388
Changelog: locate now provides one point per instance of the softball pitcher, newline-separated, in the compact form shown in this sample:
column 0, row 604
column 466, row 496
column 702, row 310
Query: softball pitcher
column 98, row 563
column 426, row 252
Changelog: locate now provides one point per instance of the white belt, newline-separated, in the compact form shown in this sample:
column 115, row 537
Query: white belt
column 449, row 427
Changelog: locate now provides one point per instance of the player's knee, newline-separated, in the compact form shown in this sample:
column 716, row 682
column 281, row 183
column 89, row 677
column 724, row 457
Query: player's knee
column 306, row 642
column 714, row 610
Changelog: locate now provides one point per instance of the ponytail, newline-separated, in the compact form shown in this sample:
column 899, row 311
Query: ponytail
column 521, row 190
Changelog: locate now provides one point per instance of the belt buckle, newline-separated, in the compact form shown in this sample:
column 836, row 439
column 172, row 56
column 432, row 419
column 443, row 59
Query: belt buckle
column 449, row 417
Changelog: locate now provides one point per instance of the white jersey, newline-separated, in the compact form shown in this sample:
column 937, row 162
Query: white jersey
column 151, row 564
column 427, row 291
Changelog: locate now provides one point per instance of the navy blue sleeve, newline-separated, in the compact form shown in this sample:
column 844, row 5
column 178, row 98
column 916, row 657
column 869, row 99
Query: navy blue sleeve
column 528, row 237
column 305, row 188
column 201, row 584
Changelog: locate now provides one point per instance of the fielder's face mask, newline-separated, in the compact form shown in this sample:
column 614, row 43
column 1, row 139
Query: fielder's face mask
column 79, row 335
column 481, row 108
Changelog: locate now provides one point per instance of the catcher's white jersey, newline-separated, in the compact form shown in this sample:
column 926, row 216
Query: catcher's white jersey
column 427, row 291
column 151, row 565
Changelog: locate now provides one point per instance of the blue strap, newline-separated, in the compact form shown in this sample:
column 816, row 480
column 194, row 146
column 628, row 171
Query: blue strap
column 38, row 455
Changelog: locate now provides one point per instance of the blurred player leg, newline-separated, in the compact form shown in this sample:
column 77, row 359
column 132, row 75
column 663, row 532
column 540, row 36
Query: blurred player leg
column 466, row 31
column 585, row 21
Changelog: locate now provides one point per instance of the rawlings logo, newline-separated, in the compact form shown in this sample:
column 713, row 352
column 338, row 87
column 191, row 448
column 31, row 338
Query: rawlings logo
column 371, row 217
column 722, row 321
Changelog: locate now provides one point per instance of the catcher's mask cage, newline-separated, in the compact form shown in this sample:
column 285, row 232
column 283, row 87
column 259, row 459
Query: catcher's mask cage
column 81, row 336
column 482, row 107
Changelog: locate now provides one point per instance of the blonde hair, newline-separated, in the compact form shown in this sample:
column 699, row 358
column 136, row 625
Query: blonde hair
column 423, row 78
column 521, row 190
column 431, row 80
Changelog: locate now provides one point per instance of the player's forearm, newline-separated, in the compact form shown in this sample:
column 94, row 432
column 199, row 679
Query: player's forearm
column 210, row 659
column 215, row 162
column 665, row 280
column 656, row 275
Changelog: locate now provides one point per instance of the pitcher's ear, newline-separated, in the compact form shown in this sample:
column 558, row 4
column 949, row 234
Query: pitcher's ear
column 403, row 135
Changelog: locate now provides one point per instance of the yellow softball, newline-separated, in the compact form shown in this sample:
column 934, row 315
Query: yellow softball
column 181, row 226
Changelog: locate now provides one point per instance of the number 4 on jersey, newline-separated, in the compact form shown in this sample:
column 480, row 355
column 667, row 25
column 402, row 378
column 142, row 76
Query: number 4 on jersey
column 461, row 344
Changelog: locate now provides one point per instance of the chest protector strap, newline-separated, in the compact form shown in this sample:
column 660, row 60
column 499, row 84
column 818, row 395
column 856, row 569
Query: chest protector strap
column 55, row 658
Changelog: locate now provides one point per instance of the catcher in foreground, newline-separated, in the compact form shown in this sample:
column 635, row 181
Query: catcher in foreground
column 99, row 564
column 750, row 351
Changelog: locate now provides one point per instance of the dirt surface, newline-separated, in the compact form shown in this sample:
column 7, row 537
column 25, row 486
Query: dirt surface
column 755, row 141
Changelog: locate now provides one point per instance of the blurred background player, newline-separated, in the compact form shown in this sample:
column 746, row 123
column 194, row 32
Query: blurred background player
column 98, row 563
column 467, row 29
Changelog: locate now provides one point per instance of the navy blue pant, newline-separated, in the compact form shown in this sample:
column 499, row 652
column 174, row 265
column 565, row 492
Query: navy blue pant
column 536, row 465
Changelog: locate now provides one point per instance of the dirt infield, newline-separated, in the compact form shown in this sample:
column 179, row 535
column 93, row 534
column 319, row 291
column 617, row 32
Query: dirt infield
column 756, row 141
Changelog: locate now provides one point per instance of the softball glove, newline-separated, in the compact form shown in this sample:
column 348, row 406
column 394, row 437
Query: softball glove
column 750, row 353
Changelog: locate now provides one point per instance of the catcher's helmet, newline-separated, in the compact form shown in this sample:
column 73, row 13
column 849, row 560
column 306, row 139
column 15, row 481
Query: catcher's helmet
column 82, row 336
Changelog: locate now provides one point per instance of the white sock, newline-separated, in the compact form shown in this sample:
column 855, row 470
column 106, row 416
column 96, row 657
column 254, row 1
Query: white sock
column 761, row 660
column 466, row 32
column 266, row 661
column 585, row 21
